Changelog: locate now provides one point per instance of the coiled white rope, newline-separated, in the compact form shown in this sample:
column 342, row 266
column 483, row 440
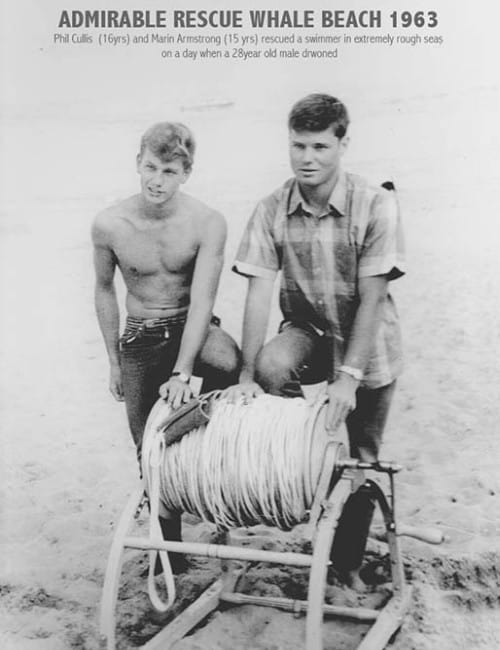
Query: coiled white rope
column 248, row 465
column 156, row 454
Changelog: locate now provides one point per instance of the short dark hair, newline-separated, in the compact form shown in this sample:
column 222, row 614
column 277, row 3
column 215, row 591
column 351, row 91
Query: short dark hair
column 318, row 112
column 170, row 141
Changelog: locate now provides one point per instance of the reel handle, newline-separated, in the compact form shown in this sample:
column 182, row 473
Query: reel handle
column 425, row 534
column 386, row 466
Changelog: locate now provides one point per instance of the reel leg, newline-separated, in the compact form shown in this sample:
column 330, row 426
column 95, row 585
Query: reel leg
column 317, row 580
column 391, row 616
column 114, row 568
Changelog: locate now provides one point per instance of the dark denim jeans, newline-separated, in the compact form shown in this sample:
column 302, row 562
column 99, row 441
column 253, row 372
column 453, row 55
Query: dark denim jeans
column 148, row 358
column 299, row 355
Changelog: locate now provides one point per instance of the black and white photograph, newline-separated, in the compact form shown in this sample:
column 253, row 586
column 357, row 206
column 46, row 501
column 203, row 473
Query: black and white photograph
column 250, row 341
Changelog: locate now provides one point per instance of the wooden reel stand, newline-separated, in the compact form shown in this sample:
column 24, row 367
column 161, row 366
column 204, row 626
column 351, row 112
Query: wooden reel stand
column 339, row 477
column 335, row 477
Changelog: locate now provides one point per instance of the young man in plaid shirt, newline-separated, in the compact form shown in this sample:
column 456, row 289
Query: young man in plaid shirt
column 338, row 243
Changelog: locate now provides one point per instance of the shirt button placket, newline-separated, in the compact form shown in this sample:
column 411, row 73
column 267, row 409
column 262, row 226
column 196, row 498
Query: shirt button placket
column 316, row 247
column 316, row 266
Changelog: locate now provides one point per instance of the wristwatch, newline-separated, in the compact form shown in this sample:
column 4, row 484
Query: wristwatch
column 182, row 376
column 355, row 373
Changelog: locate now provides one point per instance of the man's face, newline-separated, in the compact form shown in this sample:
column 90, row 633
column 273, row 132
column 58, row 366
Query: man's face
column 315, row 156
column 159, row 180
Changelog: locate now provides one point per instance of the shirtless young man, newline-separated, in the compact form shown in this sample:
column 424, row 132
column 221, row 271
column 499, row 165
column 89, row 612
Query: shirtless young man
column 169, row 248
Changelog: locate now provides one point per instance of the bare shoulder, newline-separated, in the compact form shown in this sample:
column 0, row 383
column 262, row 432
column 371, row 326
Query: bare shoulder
column 209, row 222
column 111, row 219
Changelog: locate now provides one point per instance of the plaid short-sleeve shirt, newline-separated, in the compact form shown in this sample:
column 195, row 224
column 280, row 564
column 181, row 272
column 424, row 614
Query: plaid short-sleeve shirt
column 321, row 260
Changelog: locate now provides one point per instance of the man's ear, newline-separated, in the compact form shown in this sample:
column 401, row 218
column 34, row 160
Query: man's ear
column 187, row 174
column 138, row 159
column 344, row 143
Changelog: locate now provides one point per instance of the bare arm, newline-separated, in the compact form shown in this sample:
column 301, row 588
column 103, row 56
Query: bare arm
column 342, row 392
column 106, row 304
column 255, row 321
column 206, row 275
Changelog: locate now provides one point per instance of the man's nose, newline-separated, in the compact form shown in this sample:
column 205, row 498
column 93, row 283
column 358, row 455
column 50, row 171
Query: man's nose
column 307, row 155
column 156, row 179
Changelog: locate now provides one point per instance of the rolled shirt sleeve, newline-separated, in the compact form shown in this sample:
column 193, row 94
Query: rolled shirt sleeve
column 258, row 254
column 382, row 252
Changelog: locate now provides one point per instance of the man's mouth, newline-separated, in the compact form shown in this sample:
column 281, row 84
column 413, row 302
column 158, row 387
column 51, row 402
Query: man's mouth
column 154, row 192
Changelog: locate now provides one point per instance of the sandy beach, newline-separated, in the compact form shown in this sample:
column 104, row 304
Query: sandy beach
column 67, row 459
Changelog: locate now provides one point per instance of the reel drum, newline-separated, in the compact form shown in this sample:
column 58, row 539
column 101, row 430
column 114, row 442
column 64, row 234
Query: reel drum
column 256, row 463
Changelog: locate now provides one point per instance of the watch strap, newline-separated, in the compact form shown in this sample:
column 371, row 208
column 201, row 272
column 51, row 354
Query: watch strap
column 355, row 373
column 182, row 376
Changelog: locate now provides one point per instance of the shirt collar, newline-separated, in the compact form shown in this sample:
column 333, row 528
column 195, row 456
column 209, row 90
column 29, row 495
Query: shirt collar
column 337, row 198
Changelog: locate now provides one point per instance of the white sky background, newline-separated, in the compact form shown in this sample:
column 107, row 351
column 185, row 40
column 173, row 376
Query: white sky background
column 73, row 114
column 133, row 86
column 39, row 74
column 82, row 81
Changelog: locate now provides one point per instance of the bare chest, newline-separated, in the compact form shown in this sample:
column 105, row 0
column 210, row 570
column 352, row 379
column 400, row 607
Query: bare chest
column 156, row 251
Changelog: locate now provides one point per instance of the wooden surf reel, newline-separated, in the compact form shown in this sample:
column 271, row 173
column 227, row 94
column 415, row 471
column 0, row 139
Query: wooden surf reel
column 270, row 461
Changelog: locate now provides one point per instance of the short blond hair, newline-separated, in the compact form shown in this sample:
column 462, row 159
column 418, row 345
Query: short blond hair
column 170, row 141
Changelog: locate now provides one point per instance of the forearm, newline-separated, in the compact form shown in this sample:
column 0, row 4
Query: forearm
column 365, row 325
column 342, row 391
column 254, row 332
column 255, row 322
column 108, row 316
column 194, row 335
